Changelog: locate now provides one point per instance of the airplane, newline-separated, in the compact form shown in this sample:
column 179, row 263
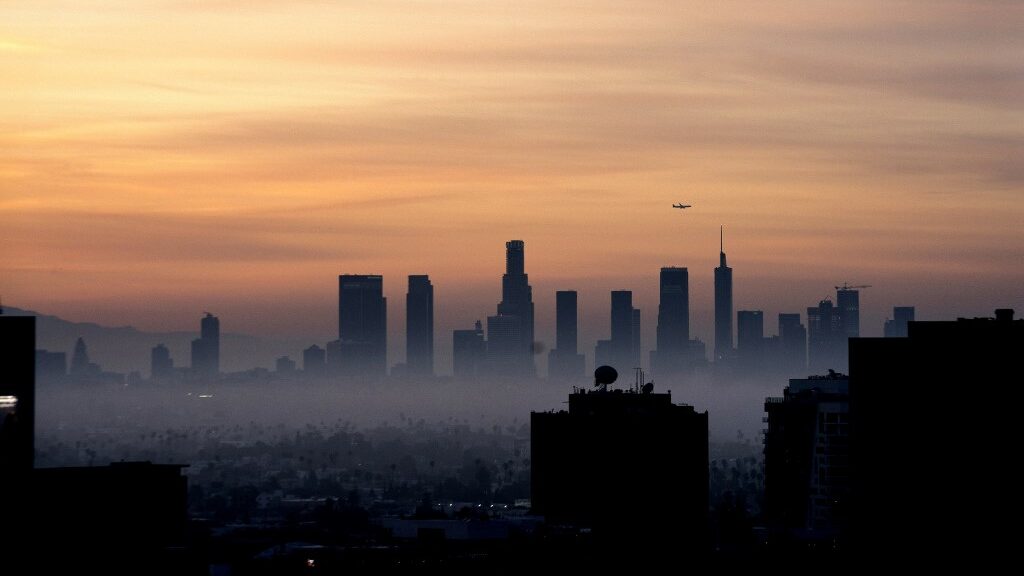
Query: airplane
column 682, row 206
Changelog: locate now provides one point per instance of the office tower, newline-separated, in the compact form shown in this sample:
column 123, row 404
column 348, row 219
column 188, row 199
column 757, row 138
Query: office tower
column 806, row 460
column 792, row 343
column 826, row 340
column 516, row 301
column 848, row 307
column 362, row 326
column 636, row 336
column 314, row 361
column 750, row 337
column 723, row 304
column 504, row 346
column 419, row 326
column 673, row 331
column 565, row 363
column 50, row 366
column 622, row 340
column 897, row 327
column 81, row 366
column 17, row 400
column 929, row 414
column 161, row 365
column 285, row 365
column 206, row 348
column 641, row 457
column 468, row 351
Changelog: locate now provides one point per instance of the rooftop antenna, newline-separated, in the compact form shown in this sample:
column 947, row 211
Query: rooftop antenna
column 721, row 238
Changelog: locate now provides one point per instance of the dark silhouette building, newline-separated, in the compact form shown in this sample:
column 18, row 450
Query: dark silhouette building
column 672, row 353
column 469, row 351
column 419, row 326
column 362, row 326
column 897, row 327
column 848, row 308
column 930, row 415
column 284, row 366
column 623, row 347
column 161, row 365
column 17, row 401
column 512, row 340
column 792, row 343
column 206, row 348
column 81, row 366
column 723, row 304
column 750, row 344
column 629, row 464
column 564, row 361
column 806, row 460
column 826, row 338
column 314, row 361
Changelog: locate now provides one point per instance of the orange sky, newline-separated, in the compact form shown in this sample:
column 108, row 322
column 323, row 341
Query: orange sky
column 165, row 157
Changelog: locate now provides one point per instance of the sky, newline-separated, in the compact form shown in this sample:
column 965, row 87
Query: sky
column 166, row 157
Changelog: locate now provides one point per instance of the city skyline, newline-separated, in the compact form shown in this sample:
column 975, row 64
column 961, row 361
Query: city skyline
column 165, row 157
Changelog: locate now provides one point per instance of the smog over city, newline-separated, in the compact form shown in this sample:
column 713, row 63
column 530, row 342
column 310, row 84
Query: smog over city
column 322, row 286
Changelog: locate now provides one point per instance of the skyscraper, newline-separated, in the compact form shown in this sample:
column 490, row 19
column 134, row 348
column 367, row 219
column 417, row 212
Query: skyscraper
column 564, row 361
column 17, row 401
column 792, row 343
column 826, row 341
column 516, row 301
column 161, row 365
column 419, row 326
column 673, row 343
column 622, row 343
column 314, row 361
column 206, row 348
column 362, row 325
column 723, row 304
column 750, row 337
column 897, row 327
column 469, row 350
column 848, row 306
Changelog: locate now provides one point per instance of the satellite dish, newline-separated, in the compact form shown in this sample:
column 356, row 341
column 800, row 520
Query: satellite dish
column 605, row 375
column 647, row 388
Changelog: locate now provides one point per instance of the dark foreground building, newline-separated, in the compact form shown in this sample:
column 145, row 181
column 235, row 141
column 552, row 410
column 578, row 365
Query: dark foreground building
column 806, row 461
column 628, row 464
column 933, row 417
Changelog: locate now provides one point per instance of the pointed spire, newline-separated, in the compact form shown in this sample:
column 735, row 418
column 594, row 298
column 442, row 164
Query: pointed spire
column 721, row 246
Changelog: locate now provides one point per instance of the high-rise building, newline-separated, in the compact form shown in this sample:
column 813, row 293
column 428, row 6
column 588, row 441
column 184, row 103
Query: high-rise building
column 806, row 460
column 284, row 365
column 161, row 365
column 750, row 337
column 897, row 327
column 206, row 348
column 929, row 415
column 622, row 330
column 826, row 340
column 362, row 325
column 565, row 363
column 848, row 308
column 723, row 304
column 504, row 346
column 17, row 400
column 517, row 302
column 630, row 465
column 314, row 361
column 469, row 350
column 673, row 346
column 419, row 326
column 792, row 343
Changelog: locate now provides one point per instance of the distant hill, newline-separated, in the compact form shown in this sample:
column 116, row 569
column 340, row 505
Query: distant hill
column 124, row 348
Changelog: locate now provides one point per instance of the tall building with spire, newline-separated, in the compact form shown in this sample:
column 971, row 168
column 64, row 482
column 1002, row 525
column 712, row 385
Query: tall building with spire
column 511, row 344
column 723, row 303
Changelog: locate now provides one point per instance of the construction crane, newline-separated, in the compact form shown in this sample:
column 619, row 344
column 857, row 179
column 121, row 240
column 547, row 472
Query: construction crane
column 846, row 286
